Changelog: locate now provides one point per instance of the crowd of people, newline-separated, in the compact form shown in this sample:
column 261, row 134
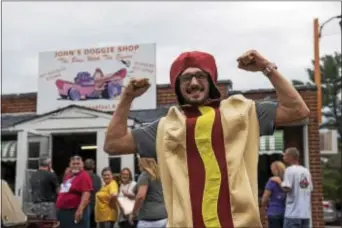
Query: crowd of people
column 83, row 200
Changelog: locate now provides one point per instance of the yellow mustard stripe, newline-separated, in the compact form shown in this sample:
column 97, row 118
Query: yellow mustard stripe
column 203, row 131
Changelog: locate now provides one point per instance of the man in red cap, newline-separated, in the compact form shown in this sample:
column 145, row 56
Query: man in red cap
column 207, row 148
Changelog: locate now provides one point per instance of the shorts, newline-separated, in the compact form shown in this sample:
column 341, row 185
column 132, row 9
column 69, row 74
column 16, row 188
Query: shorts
column 296, row 223
column 44, row 210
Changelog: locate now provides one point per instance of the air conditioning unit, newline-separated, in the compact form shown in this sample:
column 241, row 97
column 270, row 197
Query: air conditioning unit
column 328, row 142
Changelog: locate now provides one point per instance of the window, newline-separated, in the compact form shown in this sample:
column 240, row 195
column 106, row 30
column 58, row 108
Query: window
column 33, row 149
column 328, row 142
column 33, row 155
column 271, row 149
column 115, row 164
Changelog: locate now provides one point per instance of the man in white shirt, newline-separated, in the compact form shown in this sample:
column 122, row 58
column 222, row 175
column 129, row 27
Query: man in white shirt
column 297, row 183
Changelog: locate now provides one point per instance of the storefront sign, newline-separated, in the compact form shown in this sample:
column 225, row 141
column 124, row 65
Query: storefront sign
column 95, row 77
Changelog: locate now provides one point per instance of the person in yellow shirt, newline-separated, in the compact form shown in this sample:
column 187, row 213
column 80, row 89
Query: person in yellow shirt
column 105, row 201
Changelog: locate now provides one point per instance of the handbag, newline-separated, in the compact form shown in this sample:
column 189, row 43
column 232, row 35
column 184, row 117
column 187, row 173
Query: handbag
column 126, row 204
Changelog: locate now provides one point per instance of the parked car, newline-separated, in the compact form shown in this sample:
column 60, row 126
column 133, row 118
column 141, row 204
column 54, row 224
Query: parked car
column 84, row 87
column 330, row 213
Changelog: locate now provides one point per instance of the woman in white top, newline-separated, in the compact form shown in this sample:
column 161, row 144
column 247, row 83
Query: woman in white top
column 127, row 196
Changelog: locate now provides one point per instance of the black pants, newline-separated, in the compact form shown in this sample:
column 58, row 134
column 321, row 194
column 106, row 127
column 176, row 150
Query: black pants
column 106, row 224
column 275, row 221
column 92, row 219
column 66, row 217
column 127, row 224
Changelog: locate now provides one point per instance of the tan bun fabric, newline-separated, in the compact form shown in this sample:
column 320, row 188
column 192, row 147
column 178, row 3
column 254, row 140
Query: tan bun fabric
column 241, row 144
column 11, row 212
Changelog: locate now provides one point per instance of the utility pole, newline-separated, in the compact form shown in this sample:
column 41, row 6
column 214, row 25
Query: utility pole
column 317, row 70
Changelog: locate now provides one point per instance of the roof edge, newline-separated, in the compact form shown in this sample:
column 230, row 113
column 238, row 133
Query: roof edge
column 67, row 107
column 272, row 90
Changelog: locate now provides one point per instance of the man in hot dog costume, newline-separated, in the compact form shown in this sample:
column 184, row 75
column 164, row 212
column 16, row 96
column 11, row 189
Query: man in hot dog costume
column 207, row 147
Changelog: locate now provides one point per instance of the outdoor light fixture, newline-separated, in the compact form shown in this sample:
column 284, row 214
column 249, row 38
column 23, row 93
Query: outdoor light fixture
column 327, row 21
column 91, row 147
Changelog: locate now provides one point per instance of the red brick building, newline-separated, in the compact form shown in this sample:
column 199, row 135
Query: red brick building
column 20, row 108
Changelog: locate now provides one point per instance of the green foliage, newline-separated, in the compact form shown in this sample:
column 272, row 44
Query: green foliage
column 300, row 83
column 332, row 178
column 331, row 89
column 331, row 76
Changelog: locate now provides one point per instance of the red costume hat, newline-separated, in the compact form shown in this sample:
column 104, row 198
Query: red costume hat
column 201, row 60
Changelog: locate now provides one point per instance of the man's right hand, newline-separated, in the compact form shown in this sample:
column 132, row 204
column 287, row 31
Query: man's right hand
column 136, row 87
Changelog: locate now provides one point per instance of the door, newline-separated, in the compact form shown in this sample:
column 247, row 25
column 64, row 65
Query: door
column 37, row 145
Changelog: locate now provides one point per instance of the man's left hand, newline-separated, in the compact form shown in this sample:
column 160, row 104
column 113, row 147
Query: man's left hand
column 252, row 61
column 78, row 215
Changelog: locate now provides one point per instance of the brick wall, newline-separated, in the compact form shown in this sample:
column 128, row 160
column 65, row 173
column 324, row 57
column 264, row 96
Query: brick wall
column 292, row 139
column 27, row 103
column 15, row 103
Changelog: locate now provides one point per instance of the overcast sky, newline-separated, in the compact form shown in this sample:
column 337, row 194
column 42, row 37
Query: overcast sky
column 282, row 31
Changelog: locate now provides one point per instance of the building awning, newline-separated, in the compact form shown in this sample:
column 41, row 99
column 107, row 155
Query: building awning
column 8, row 151
column 273, row 144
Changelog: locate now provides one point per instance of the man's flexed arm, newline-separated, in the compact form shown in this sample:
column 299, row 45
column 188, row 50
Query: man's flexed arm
column 118, row 138
column 291, row 106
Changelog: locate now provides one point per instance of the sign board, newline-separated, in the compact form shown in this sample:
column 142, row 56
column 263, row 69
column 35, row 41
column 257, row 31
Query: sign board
column 95, row 77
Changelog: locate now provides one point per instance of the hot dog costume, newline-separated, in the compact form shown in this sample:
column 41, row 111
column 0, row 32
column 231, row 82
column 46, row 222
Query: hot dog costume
column 208, row 156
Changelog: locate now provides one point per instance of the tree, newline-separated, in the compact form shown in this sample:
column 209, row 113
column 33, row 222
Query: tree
column 331, row 89
column 331, row 76
column 300, row 83
column 332, row 177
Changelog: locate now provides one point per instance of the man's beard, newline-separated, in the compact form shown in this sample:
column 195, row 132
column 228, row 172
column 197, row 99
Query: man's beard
column 195, row 101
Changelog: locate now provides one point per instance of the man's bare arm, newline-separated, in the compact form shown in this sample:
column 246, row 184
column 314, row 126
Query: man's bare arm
column 118, row 138
column 291, row 106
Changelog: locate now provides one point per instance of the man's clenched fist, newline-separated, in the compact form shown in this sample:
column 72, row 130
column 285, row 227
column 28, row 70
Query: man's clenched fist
column 136, row 87
column 252, row 61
